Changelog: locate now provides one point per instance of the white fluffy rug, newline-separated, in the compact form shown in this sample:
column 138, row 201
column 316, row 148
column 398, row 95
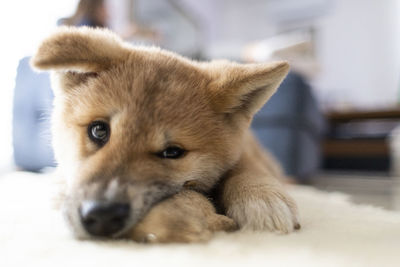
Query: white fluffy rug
column 334, row 232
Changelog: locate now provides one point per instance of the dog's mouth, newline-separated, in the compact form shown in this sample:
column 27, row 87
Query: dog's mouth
column 97, row 213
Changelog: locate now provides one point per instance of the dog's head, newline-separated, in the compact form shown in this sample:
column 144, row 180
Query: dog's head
column 133, row 125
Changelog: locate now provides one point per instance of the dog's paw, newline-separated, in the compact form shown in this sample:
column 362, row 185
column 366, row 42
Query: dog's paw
column 265, row 208
column 154, row 229
column 183, row 218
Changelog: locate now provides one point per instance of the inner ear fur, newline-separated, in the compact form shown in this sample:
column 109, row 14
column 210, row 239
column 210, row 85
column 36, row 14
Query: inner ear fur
column 80, row 49
column 244, row 88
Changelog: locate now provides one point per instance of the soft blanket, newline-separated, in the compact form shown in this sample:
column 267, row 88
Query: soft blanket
column 335, row 232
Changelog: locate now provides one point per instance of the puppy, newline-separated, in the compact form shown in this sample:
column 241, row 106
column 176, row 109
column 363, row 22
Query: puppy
column 142, row 136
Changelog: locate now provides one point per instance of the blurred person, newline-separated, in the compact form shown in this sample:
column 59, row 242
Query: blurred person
column 92, row 13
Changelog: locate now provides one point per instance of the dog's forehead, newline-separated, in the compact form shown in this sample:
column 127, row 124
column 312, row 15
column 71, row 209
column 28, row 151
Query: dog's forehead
column 151, row 90
column 154, row 84
column 162, row 74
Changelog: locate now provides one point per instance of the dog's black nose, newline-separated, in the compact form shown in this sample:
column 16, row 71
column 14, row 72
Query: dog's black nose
column 104, row 218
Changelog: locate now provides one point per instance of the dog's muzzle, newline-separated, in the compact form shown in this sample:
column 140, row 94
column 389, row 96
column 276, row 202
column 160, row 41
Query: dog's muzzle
column 104, row 219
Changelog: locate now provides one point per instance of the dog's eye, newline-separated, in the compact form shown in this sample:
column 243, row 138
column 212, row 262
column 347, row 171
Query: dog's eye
column 172, row 152
column 99, row 132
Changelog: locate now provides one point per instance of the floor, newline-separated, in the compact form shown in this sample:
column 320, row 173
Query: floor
column 376, row 189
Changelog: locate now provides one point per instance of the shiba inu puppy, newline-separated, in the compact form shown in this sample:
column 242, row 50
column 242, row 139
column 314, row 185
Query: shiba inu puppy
column 143, row 135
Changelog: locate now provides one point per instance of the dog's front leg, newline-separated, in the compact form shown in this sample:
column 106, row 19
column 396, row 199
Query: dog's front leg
column 255, row 199
column 185, row 217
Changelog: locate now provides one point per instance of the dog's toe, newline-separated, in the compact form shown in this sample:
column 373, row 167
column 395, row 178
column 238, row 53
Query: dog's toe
column 270, row 212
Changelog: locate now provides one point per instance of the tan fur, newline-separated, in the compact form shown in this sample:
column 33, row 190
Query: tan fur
column 151, row 99
column 185, row 217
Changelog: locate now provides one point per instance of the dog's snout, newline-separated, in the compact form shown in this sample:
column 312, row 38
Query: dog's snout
column 103, row 219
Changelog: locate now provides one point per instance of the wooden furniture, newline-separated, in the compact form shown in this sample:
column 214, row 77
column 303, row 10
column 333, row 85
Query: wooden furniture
column 346, row 146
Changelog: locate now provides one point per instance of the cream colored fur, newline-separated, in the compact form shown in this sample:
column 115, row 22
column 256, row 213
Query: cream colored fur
column 153, row 99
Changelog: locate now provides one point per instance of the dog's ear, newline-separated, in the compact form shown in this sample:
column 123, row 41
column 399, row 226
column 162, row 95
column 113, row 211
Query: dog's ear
column 80, row 49
column 244, row 88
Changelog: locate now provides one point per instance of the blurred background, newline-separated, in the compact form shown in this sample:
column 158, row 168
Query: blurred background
column 333, row 123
